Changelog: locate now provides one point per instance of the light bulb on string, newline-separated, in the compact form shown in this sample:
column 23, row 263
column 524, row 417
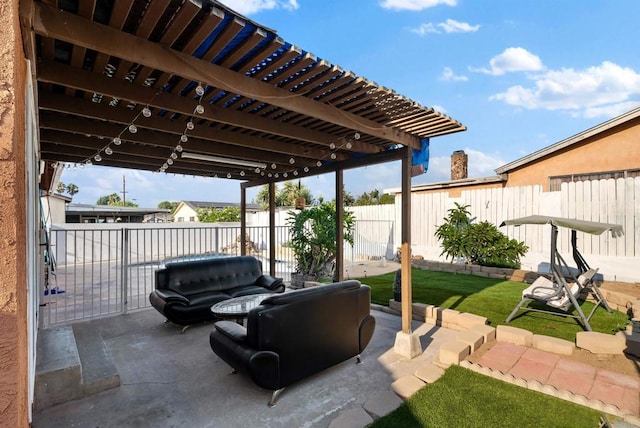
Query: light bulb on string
column 333, row 156
column 184, row 138
column 97, row 157
column 178, row 148
column 133, row 129
column 174, row 155
column 228, row 175
column 108, row 151
column 190, row 125
column 332, row 146
column 88, row 162
column 306, row 169
column 292, row 161
column 276, row 175
column 257, row 170
column 199, row 90
column 285, row 175
column 273, row 166
column 295, row 173
column 169, row 161
column 349, row 145
column 199, row 109
column 356, row 136
column 117, row 141
column 319, row 163
column 165, row 165
column 242, row 173
column 146, row 112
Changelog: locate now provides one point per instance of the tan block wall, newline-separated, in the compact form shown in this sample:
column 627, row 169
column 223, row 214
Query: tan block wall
column 13, row 296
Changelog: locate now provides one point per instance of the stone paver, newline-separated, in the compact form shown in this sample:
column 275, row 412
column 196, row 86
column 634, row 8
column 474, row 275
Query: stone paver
column 352, row 418
column 382, row 403
column 606, row 392
column 406, row 386
column 618, row 379
column 502, row 356
column 570, row 381
column 429, row 373
column 531, row 370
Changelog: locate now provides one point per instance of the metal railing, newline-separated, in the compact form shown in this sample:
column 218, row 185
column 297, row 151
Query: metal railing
column 102, row 270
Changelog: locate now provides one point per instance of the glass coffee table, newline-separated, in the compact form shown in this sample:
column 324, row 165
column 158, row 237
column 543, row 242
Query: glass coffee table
column 238, row 307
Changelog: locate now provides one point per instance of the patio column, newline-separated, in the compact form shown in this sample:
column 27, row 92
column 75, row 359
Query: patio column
column 339, row 221
column 243, row 221
column 14, row 344
column 272, row 229
column 407, row 343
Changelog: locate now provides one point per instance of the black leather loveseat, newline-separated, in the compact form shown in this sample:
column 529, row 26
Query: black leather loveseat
column 293, row 335
column 185, row 291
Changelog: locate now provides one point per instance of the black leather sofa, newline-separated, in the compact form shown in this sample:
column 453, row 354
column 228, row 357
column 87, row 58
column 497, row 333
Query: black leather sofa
column 185, row 291
column 293, row 335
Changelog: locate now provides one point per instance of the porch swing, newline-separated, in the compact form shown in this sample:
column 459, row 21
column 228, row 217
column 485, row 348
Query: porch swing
column 564, row 288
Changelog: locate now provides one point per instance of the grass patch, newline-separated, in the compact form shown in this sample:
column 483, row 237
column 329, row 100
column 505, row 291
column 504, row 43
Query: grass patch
column 491, row 298
column 462, row 398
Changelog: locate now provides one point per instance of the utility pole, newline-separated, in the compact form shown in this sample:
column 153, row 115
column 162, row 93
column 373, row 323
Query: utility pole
column 124, row 191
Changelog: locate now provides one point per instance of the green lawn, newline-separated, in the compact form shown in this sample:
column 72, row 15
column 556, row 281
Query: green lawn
column 463, row 398
column 491, row 298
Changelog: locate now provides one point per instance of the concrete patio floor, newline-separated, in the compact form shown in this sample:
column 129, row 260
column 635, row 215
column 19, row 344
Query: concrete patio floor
column 172, row 379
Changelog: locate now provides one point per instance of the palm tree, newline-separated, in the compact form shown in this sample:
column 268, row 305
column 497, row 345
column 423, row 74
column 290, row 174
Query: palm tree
column 72, row 189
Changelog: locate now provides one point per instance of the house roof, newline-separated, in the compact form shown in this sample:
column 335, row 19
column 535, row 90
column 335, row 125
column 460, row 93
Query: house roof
column 161, row 85
column 575, row 139
column 463, row 182
column 111, row 209
column 219, row 205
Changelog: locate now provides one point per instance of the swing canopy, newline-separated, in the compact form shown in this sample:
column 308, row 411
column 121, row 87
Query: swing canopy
column 592, row 227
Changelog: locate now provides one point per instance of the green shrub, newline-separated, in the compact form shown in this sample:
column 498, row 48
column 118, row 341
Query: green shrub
column 478, row 243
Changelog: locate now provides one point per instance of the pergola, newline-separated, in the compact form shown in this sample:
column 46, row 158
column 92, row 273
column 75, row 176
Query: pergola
column 191, row 87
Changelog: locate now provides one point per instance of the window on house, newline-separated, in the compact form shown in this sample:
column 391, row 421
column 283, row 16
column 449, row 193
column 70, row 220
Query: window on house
column 556, row 182
column 192, row 218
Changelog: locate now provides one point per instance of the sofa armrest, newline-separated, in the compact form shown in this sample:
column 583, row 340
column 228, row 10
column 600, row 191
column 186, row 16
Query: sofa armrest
column 269, row 282
column 171, row 296
column 232, row 330
column 161, row 278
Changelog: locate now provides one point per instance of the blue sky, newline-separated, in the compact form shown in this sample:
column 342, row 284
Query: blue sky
column 520, row 74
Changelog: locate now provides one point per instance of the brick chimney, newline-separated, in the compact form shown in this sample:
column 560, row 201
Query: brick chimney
column 459, row 163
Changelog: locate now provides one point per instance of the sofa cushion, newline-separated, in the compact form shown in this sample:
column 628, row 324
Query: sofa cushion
column 220, row 274
column 246, row 290
column 209, row 298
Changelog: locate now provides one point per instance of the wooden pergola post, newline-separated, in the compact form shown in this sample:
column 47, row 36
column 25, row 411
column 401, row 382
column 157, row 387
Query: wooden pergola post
column 407, row 343
column 339, row 225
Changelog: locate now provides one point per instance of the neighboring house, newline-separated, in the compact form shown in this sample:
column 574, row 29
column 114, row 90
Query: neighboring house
column 53, row 208
column 84, row 213
column 593, row 176
column 608, row 150
column 187, row 211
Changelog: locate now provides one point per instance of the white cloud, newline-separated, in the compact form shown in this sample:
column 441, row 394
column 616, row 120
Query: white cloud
column 612, row 110
column 248, row 7
column 511, row 60
column 425, row 29
column 449, row 26
column 449, row 76
column 595, row 91
column 415, row 4
column 453, row 26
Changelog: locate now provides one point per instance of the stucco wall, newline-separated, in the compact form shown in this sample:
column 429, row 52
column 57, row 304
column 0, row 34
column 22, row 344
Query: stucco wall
column 616, row 149
column 13, row 297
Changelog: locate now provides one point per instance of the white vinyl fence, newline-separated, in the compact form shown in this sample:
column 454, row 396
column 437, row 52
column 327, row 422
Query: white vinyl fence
column 606, row 201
